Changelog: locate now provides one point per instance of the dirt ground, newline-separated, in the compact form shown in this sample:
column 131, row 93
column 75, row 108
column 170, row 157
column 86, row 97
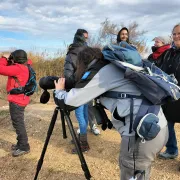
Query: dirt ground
column 59, row 163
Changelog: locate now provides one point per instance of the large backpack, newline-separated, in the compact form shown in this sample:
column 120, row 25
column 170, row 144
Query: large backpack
column 30, row 87
column 156, row 86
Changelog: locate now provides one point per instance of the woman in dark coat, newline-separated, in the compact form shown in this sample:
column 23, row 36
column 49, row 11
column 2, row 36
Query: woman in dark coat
column 161, row 44
column 171, row 65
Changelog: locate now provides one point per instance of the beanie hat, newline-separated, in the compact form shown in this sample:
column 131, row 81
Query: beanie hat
column 164, row 39
column 19, row 56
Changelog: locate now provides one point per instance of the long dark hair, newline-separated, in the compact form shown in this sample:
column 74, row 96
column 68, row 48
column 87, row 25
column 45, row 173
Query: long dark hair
column 118, row 35
column 85, row 57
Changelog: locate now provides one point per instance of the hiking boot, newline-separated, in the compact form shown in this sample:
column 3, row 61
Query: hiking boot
column 19, row 152
column 83, row 144
column 84, row 148
column 95, row 130
column 166, row 155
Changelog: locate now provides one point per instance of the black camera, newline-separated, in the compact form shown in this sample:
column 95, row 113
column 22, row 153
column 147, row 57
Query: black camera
column 46, row 83
column 10, row 60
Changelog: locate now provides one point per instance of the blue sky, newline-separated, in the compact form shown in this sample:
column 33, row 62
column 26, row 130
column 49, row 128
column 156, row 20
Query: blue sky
column 45, row 24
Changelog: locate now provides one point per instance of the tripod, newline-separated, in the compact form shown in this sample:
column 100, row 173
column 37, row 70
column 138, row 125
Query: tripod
column 71, row 129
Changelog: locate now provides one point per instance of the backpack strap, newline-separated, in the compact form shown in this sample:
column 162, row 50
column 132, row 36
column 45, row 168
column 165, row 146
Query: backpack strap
column 120, row 95
column 131, row 115
column 17, row 81
column 19, row 89
column 145, row 107
column 16, row 90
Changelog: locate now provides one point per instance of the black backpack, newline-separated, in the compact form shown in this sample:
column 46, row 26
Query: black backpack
column 30, row 87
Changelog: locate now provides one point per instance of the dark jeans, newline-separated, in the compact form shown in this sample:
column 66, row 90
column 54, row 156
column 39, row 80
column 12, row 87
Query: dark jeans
column 17, row 117
column 171, row 146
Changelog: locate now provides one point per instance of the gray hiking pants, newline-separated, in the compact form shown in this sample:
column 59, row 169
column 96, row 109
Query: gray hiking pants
column 144, row 154
column 17, row 117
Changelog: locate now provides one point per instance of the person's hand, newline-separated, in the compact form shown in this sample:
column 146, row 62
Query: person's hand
column 60, row 85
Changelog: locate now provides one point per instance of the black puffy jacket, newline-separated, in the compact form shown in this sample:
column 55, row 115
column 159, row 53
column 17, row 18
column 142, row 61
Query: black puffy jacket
column 157, row 62
column 171, row 62
column 171, row 65
column 70, row 65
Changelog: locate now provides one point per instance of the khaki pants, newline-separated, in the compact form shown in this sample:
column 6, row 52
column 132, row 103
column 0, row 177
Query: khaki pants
column 144, row 154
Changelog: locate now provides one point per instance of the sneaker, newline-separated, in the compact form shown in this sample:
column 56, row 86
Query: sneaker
column 95, row 130
column 19, row 152
column 166, row 155
column 78, row 131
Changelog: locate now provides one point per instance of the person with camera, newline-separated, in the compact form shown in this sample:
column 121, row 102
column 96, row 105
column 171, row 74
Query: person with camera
column 14, row 66
column 93, row 81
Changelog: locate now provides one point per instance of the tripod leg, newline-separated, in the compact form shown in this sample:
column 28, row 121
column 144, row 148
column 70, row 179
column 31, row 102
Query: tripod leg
column 77, row 145
column 50, row 130
column 63, row 124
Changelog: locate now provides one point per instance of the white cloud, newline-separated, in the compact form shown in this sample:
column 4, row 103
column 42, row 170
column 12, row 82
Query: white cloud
column 60, row 19
column 114, row 2
column 3, row 39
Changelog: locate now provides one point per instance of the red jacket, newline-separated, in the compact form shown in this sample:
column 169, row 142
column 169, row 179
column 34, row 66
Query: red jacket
column 22, row 73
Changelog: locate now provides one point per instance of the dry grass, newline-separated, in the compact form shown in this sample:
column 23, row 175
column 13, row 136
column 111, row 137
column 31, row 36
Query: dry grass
column 3, row 92
column 44, row 67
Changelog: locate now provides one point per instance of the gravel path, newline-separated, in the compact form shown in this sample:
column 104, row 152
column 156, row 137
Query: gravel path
column 59, row 163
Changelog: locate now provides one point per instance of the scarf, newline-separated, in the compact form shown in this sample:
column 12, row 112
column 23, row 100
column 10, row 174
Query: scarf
column 158, row 51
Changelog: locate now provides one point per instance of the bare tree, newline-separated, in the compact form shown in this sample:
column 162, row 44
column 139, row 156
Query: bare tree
column 136, row 37
column 108, row 30
column 95, row 41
